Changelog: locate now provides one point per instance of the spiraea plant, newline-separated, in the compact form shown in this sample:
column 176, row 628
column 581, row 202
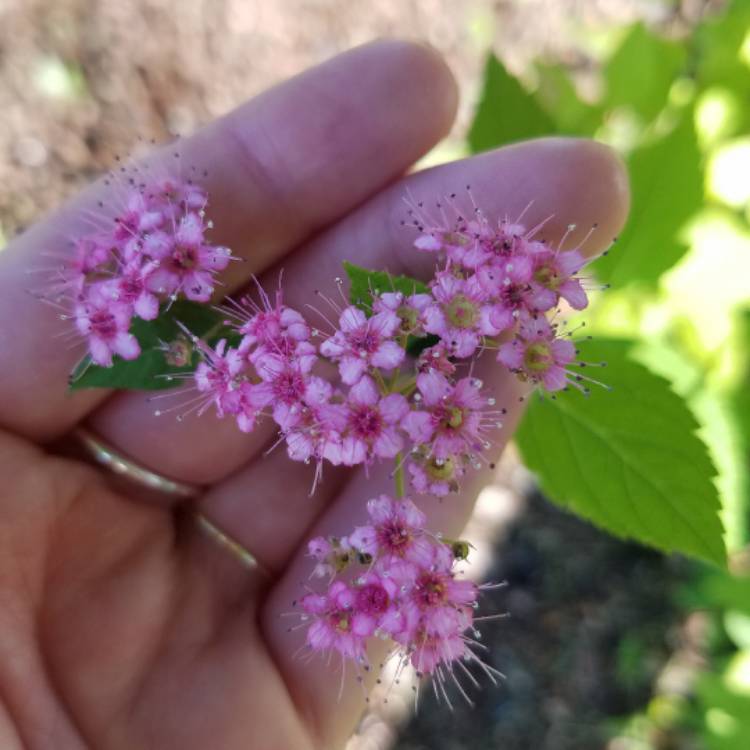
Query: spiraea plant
column 381, row 374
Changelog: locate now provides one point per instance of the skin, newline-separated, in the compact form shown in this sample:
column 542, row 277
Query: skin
column 122, row 624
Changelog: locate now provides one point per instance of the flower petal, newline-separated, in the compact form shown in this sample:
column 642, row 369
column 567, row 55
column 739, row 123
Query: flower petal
column 388, row 356
column 511, row 355
column 394, row 408
column 433, row 386
column 126, row 345
column 352, row 369
column 418, row 426
column 146, row 306
column 190, row 231
column 351, row 319
column 388, row 443
column 364, row 392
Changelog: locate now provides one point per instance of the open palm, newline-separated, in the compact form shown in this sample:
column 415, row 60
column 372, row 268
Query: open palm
column 122, row 625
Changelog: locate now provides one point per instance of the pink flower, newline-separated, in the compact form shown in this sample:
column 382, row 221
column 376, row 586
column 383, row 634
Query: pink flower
column 283, row 387
column 436, row 609
column 105, row 323
column 492, row 245
column 240, row 404
column 361, row 343
column 438, row 594
column 507, row 283
column 319, row 548
column 269, row 359
column 429, row 651
column 436, row 358
column 90, row 255
column 553, row 277
column 467, row 244
column 377, row 604
column 152, row 249
column 217, row 376
column 270, row 362
column 175, row 197
column 536, row 354
column 452, row 417
column 273, row 326
column 461, row 314
column 337, row 625
column 424, row 622
column 409, row 309
column 408, row 593
column 130, row 286
column 312, row 427
column 396, row 533
column 435, row 476
column 92, row 252
column 453, row 241
column 137, row 218
column 187, row 264
column 371, row 425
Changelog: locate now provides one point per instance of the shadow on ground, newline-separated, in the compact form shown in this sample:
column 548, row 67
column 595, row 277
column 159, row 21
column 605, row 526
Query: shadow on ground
column 590, row 628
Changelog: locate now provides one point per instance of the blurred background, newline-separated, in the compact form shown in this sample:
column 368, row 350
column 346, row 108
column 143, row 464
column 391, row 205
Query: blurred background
column 609, row 645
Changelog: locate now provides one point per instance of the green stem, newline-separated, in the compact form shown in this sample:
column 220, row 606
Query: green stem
column 407, row 387
column 381, row 383
column 398, row 475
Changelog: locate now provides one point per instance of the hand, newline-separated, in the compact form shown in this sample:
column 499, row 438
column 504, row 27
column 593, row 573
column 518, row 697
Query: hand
column 122, row 625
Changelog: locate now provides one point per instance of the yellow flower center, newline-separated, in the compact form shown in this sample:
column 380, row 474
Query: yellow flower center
column 548, row 278
column 440, row 469
column 538, row 357
column 408, row 317
column 461, row 312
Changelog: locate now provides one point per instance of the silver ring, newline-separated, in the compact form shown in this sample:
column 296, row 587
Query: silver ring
column 105, row 455
column 247, row 558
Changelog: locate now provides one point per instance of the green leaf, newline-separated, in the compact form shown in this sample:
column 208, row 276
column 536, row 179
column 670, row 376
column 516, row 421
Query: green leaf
column 717, row 698
column 740, row 407
column 506, row 111
column 667, row 188
column 151, row 370
column 719, row 42
column 721, row 66
column 719, row 590
column 364, row 282
column 641, row 72
column 627, row 459
column 558, row 97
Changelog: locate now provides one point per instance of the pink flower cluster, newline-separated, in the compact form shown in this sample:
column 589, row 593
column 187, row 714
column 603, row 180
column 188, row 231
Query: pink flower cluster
column 368, row 415
column 154, row 249
column 491, row 292
column 494, row 289
column 405, row 592
column 500, row 281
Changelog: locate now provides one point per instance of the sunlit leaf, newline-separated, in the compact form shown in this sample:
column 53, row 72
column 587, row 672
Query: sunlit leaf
column 558, row 97
column 719, row 47
column 667, row 189
column 506, row 111
column 740, row 401
column 627, row 459
column 726, row 725
column 641, row 72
